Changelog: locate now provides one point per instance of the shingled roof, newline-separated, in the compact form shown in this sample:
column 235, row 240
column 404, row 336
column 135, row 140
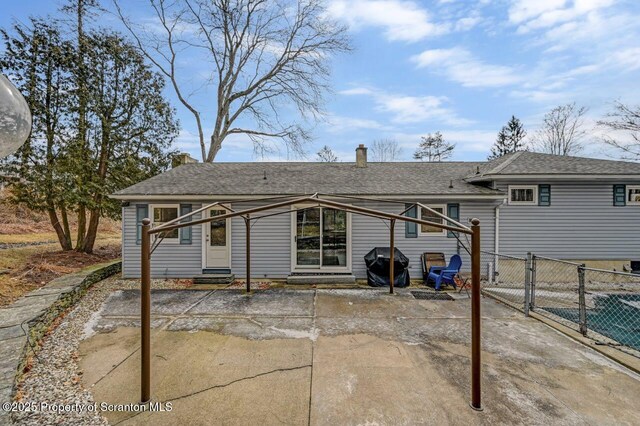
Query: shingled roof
column 406, row 178
column 534, row 163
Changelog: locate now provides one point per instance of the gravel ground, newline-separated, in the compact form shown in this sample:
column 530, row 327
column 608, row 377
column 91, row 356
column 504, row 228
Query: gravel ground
column 54, row 377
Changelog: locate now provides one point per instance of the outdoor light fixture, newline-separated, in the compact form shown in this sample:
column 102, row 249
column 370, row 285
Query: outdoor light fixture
column 15, row 118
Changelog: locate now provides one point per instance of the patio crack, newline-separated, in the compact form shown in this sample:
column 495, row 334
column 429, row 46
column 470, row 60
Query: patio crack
column 266, row 373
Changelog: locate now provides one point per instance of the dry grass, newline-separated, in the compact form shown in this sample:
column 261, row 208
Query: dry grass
column 31, row 267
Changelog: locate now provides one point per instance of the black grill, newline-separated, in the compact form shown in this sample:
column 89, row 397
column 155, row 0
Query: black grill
column 423, row 295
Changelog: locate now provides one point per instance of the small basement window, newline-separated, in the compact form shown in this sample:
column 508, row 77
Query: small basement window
column 526, row 195
column 162, row 213
column 427, row 215
column 633, row 194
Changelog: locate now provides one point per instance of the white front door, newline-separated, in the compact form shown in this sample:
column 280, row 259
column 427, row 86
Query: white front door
column 218, row 240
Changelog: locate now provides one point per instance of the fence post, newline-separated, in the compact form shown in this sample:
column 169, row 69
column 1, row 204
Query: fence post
column 582, row 306
column 532, row 291
column 527, row 284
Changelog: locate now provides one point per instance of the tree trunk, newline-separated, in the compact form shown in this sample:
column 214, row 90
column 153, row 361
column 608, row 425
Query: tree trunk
column 65, row 243
column 82, row 228
column 65, row 223
column 92, row 231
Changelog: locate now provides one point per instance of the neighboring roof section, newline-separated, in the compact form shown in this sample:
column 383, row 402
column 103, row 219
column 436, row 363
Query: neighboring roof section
column 526, row 163
column 389, row 179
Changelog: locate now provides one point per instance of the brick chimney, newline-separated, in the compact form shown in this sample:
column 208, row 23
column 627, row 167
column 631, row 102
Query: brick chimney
column 361, row 156
column 182, row 158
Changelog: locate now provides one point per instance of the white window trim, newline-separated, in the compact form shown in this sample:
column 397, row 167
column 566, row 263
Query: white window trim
column 627, row 189
column 432, row 234
column 311, row 268
column 524, row 203
column 169, row 240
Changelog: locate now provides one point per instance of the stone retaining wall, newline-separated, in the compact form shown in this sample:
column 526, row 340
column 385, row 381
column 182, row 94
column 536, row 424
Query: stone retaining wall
column 24, row 323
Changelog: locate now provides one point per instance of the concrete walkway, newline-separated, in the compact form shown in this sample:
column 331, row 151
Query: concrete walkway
column 326, row 357
column 24, row 322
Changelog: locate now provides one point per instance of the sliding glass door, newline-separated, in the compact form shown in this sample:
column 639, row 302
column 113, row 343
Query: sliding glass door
column 321, row 239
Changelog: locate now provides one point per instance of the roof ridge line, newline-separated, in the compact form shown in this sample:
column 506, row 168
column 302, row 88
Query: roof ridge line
column 504, row 164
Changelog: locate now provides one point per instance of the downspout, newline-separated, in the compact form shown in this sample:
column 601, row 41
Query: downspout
column 496, row 244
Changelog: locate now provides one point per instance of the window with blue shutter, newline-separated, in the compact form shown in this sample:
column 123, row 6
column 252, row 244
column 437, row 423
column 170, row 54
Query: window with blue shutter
column 142, row 211
column 544, row 195
column 619, row 195
column 185, row 233
column 410, row 228
column 453, row 211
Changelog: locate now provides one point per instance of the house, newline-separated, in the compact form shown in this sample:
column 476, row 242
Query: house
column 565, row 207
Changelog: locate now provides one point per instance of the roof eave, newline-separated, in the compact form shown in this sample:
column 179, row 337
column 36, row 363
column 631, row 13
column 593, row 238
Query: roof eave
column 551, row 176
column 498, row 195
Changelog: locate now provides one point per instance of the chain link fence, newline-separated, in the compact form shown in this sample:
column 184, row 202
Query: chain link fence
column 503, row 278
column 603, row 305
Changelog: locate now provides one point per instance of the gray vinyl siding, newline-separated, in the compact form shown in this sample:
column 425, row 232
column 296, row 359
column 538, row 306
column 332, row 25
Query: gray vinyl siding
column 581, row 223
column 370, row 232
column 271, row 243
column 168, row 260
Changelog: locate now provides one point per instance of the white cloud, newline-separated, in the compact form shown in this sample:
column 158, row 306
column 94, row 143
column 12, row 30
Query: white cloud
column 341, row 124
column 402, row 20
column 465, row 24
column 629, row 58
column 459, row 65
column 536, row 14
column 411, row 109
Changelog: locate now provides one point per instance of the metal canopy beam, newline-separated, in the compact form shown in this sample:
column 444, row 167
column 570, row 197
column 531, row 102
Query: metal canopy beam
column 474, row 231
column 321, row 202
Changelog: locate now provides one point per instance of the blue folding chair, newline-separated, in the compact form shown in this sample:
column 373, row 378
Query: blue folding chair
column 445, row 274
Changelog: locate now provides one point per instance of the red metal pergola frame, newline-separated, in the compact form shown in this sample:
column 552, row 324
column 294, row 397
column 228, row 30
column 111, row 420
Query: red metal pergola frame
column 314, row 200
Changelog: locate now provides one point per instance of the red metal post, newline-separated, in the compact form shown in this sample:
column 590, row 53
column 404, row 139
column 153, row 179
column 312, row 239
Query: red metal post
column 247, row 223
column 145, row 312
column 392, row 226
column 476, row 318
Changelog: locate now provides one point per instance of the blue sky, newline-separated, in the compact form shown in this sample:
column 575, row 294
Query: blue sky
column 459, row 67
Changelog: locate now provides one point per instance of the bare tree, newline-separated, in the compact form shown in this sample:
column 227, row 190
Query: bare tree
column 562, row 130
column 326, row 155
column 385, row 150
column 434, row 148
column 625, row 119
column 267, row 55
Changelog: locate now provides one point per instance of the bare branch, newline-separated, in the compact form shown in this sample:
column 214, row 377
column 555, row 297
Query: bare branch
column 267, row 55
column 562, row 131
column 385, row 150
column 624, row 122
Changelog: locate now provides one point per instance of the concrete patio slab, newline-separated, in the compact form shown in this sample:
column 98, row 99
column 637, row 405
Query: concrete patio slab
column 326, row 357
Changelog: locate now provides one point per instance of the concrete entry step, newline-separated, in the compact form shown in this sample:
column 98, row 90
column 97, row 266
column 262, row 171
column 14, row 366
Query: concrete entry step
column 321, row 279
column 214, row 279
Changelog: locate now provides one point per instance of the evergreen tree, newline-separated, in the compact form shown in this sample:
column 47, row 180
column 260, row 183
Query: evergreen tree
column 434, row 148
column 128, row 126
column 510, row 139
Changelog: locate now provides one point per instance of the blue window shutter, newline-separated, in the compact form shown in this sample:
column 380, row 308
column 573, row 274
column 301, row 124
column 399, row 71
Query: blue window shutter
column 544, row 195
column 619, row 195
column 410, row 228
column 185, row 233
column 453, row 211
column 142, row 211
